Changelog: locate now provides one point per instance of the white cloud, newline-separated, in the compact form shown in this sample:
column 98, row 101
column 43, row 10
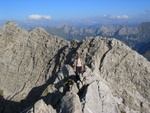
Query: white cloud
column 38, row 17
column 117, row 17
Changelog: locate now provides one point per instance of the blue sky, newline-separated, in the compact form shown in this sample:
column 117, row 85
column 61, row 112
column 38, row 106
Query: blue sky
column 74, row 9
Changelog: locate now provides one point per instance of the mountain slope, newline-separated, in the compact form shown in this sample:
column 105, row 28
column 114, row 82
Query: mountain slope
column 36, row 70
column 24, row 59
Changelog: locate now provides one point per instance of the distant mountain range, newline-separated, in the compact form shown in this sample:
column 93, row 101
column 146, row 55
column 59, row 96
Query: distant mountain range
column 139, row 33
column 134, row 37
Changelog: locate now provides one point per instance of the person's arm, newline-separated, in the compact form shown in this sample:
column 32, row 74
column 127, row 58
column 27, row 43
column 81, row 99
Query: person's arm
column 82, row 66
column 75, row 64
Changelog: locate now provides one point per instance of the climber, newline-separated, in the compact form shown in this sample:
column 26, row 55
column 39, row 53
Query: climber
column 78, row 66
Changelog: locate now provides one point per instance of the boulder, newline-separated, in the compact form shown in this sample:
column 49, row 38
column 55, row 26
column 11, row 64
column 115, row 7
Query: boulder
column 98, row 99
column 41, row 107
column 70, row 103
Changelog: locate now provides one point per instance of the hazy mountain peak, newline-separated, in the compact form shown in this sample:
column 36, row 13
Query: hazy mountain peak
column 9, row 25
column 38, row 30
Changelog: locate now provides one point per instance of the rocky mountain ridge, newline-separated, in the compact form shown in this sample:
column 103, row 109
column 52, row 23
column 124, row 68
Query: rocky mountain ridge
column 37, row 75
column 134, row 37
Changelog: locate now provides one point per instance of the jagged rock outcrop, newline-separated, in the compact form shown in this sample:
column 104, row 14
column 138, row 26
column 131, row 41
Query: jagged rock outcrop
column 121, row 68
column 99, row 99
column 70, row 103
column 25, row 61
column 41, row 107
column 37, row 74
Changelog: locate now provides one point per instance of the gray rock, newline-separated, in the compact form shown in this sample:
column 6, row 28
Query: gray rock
column 26, row 59
column 98, row 99
column 64, row 73
column 123, row 69
column 70, row 103
column 41, row 107
column 74, row 88
column 50, row 89
column 65, row 80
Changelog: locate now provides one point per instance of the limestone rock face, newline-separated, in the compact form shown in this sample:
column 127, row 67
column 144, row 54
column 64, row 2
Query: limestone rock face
column 41, row 107
column 126, row 72
column 27, row 60
column 24, row 59
column 99, row 99
column 70, row 103
column 36, row 74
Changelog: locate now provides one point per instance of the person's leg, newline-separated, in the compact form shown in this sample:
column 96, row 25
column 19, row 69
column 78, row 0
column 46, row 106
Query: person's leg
column 80, row 70
column 77, row 73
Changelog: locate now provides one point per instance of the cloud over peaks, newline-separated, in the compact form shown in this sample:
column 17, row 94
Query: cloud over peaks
column 38, row 17
column 117, row 17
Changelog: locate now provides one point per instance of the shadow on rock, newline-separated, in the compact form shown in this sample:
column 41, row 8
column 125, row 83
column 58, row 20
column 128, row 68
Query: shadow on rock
column 8, row 106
